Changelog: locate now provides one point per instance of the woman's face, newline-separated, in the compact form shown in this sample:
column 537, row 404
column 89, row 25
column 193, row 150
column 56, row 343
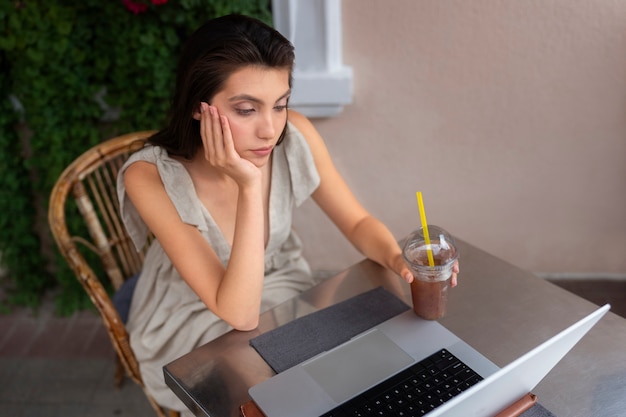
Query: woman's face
column 254, row 99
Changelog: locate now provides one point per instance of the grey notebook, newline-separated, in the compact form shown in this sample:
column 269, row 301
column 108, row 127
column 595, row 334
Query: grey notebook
column 339, row 375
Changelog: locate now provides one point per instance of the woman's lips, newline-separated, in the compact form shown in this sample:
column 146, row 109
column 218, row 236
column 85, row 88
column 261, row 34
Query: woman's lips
column 263, row 151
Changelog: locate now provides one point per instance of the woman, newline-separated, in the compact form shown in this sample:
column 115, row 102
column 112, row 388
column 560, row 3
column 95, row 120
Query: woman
column 217, row 188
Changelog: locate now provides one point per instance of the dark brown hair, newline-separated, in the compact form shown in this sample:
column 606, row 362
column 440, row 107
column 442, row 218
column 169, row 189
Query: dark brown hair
column 216, row 50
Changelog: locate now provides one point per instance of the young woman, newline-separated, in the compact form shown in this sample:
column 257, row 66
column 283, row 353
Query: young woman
column 217, row 187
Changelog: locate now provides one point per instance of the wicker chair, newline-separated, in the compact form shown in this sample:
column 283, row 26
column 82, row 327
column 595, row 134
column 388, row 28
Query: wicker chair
column 91, row 179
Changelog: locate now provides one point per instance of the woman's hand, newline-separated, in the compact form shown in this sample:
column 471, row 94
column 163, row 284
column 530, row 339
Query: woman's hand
column 219, row 147
column 403, row 270
column 455, row 271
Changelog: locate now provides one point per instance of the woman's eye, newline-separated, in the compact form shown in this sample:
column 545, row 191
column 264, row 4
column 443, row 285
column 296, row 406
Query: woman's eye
column 280, row 108
column 244, row 112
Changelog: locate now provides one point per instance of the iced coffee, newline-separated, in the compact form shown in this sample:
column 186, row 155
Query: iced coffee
column 429, row 289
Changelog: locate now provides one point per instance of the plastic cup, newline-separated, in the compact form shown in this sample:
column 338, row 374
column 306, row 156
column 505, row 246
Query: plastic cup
column 429, row 289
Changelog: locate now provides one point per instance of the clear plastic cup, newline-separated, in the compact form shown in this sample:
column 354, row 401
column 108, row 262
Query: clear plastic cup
column 429, row 289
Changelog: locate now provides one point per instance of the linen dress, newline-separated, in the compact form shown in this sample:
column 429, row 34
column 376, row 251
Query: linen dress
column 167, row 319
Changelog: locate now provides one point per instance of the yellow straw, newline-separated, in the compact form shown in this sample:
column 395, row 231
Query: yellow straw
column 429, row 251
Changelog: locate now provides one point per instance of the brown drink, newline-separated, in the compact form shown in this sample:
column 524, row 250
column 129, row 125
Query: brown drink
column 429, row 289
column 430, row 297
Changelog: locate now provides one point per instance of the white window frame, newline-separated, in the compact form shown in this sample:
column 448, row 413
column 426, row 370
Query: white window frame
column 322, row 85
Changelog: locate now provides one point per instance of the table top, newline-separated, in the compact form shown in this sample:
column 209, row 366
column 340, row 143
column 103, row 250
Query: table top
column 499, row 309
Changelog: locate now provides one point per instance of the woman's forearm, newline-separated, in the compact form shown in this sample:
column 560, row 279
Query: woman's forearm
column 374, row 240
column 238, row 299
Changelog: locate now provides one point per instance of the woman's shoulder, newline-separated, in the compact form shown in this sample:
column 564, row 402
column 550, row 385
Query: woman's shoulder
column 151, row 154
column 148, row 153
column 307, row 130
column 299, row 121
column 151, row 162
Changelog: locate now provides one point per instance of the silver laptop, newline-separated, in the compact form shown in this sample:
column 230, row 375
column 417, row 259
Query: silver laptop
column 319, row 385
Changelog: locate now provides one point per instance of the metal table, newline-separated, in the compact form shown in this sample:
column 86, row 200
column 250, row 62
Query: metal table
column 501, row 310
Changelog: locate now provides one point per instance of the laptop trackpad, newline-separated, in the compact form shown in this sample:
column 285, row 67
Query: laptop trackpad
column 357, row 365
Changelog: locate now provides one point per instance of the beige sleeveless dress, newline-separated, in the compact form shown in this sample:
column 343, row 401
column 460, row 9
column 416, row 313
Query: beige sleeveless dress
column 167, row 319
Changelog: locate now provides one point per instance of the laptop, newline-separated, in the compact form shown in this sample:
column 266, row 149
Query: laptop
column 359, row 370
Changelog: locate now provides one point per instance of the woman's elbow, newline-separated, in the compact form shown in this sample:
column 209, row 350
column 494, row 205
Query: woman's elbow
column 243, row 319
column 244, row 325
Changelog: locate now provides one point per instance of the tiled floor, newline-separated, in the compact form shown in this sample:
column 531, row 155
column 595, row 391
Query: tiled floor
column 64, row 367
column 51, row 366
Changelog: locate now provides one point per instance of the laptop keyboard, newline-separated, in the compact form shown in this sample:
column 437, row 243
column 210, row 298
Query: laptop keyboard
column 414, row 391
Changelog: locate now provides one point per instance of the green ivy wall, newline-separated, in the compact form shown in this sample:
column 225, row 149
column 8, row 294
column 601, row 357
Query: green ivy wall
column 74, row 74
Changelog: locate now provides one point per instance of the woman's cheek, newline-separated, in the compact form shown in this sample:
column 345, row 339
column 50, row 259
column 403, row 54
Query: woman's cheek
column 238, row 133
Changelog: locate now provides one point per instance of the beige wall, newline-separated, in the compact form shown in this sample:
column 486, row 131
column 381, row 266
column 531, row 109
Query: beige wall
column 510, row 117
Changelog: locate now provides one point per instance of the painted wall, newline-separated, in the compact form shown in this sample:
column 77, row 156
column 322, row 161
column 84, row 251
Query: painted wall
column 510, row 117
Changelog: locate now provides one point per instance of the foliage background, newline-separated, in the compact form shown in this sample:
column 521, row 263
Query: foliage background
column 73, row 74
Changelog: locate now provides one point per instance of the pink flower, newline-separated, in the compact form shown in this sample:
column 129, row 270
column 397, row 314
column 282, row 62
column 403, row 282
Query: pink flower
column 135, row 7
column 140, row 7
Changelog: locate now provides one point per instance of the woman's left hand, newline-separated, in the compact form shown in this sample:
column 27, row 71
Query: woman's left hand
column 219, row 147
column 407, row 275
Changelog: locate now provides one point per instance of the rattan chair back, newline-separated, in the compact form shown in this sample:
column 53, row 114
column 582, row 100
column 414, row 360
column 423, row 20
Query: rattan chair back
column 89, row 184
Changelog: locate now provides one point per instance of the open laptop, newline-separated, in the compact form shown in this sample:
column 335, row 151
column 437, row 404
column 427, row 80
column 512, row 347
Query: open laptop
column 351, row 371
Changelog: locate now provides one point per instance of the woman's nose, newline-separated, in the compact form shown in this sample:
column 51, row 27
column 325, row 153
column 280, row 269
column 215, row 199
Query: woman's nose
column 266, row 128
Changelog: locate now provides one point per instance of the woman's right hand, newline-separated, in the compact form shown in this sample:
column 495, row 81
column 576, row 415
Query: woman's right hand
column 219, row 147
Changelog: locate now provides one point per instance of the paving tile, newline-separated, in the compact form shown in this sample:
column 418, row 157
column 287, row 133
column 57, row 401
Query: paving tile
column 20, row 388
column 77, row 338
column 7, row 327
column 56, row 387
column 129, row 393
column 8, row 371
column 68, row 410
column 63, row 390
column 89, row 370
column 12, row 410
column 20, row 339
column 8, row 368
column 100, row 345
column 49, row 341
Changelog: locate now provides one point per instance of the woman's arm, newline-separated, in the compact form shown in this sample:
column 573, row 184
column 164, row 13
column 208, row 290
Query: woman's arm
column 368, row 235
column 232, row 293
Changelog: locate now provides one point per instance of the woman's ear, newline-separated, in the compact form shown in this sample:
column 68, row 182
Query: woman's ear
column 197, row 113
